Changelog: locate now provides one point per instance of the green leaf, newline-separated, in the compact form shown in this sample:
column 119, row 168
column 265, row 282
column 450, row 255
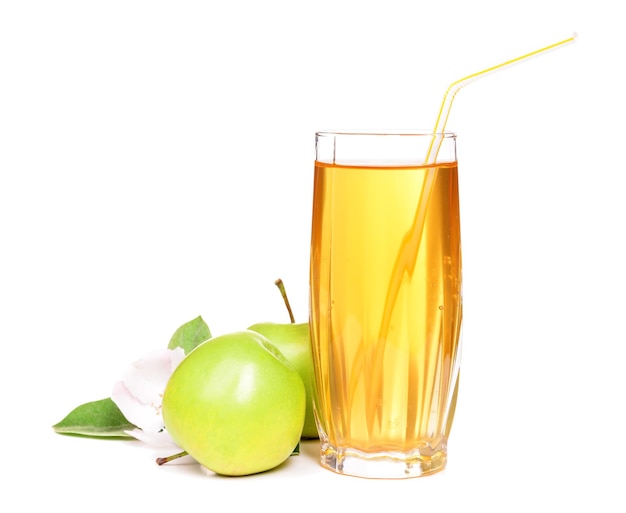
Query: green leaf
column 296, row 450
column 98, row 418
column 190, row 335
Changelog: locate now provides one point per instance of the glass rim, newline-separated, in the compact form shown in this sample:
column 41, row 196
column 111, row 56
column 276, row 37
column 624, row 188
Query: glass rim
column 382, row 132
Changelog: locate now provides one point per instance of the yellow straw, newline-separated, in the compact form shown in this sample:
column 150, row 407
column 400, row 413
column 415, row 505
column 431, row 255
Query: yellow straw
column 407, row 256
column 455, row 87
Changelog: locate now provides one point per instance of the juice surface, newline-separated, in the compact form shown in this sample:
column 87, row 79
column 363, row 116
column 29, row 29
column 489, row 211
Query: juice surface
column 385, row 304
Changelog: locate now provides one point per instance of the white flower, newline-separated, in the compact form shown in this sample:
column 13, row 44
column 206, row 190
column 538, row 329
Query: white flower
column 140, row 392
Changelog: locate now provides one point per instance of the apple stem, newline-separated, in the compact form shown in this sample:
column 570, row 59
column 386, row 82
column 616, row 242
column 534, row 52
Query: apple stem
column 281, row 286
column 167, row 459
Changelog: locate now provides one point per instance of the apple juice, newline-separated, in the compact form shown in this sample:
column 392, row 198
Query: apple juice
column 385, row 312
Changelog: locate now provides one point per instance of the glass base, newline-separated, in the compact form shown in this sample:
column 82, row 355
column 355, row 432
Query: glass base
column 382, row 465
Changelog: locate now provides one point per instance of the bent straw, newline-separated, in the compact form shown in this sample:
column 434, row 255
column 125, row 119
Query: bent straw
column 407, row 256
column 455, row 87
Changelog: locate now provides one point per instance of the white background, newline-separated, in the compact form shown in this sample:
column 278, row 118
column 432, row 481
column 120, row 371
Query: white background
column 156, row 164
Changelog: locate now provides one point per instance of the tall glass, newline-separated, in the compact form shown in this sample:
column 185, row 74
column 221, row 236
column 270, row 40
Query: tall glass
column 385, row 300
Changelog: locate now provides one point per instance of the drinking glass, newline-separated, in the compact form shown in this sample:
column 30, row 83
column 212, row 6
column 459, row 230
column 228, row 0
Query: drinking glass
column 385, row 300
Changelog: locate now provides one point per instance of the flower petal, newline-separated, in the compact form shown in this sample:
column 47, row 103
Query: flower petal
column 147, row 417
column 140, row 393
column 162, row 439
column 146, row 378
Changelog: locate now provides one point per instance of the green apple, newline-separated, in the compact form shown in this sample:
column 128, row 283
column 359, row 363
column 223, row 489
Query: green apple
column 235, row 404
column 294, row 342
